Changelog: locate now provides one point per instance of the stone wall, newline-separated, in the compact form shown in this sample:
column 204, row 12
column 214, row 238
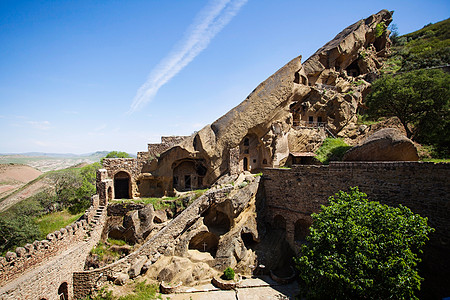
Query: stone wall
column 115, row 165
column 154, row 150
column 84, row 282
column 37, row 270
column 293, row 194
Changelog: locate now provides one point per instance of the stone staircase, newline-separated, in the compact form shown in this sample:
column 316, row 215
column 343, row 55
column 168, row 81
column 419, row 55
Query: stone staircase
column 97, row 216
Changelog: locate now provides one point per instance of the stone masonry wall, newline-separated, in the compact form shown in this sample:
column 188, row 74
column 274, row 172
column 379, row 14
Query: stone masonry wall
column 14, row 264
column 154, row 150
column 36, row 271
column 295, row 193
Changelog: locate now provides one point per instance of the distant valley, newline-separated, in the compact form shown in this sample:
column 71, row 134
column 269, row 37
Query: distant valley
column 45, row 162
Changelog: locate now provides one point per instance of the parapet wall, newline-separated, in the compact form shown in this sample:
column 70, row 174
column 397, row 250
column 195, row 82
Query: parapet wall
column 423, row 187
column 14, row 264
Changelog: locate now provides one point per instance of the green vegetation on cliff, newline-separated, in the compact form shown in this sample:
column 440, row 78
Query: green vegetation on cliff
column 415, row 86
column 331, row 150
column 359, row 249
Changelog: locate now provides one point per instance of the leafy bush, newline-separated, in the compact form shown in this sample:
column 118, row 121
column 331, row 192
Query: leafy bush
column 331, row 150
column 380, row 29
column 228, row 274
column 359, row 249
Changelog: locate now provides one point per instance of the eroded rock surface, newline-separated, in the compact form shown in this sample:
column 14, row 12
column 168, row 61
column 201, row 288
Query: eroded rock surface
column 292, row 111
column 387, row 144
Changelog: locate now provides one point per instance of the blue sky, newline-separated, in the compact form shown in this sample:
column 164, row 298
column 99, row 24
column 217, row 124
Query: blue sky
column 80, row 76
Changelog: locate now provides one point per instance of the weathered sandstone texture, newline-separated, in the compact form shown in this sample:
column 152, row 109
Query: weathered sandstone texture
column 292, row 111
column 387, row 144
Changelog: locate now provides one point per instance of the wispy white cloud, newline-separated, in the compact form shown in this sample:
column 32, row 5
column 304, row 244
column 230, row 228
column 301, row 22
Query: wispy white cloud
column 208, row 23
column 41, row 125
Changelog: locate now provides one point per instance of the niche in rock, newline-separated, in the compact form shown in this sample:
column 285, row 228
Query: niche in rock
column 205, row 242
column 353, row 69
column 216, row 221
column 248, row 239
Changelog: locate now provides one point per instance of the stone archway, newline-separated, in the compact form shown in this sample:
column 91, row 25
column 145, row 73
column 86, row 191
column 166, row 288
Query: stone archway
column 279, row 222
column 63, row 291
column 301, row 230
column 122, row 182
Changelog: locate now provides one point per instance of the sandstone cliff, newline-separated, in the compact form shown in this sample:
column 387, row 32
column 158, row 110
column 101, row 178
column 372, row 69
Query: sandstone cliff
column 291, row 111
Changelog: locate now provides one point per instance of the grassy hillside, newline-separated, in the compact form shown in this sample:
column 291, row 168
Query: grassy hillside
column 424, row 48
column 415, row 87
column 55, row 207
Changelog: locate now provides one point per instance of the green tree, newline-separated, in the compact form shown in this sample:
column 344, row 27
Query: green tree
column 420, row 100
column 116, row 154
column 361, row 249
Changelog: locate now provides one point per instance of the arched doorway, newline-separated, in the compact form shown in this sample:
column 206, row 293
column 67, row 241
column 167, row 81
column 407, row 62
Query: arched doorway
column 245, row 164
column 122, row 185
column 301, row 230
column 63, row 291
column 279, row 222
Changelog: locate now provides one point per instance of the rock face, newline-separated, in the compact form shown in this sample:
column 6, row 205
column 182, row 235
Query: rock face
column 291, row 111
column 387, row 144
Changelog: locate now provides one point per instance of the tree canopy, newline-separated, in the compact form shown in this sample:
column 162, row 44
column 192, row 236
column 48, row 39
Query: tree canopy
column 362, row 249
column 421, row 101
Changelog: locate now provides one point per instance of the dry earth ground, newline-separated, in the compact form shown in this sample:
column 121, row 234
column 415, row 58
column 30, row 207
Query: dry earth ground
column 13, row 178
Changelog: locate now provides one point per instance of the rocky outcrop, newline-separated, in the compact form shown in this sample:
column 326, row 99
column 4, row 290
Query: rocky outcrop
column 279, row 116
column 387, row 144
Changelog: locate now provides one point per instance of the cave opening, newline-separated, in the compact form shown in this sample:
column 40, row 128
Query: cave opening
column 122, row 185
column 353, row 69
column 216, row 221
column 248, row 239
column 204, row 242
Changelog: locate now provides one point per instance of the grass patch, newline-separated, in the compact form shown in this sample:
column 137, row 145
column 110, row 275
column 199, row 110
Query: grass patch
column 143, row 291
column 332, row 150
column 365, row 120
column 437, row 160
column 54, row 221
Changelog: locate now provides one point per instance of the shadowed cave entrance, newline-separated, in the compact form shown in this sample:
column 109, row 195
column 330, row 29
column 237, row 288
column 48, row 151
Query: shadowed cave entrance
column 205, row 242
column 122, row 185
column 63, row 291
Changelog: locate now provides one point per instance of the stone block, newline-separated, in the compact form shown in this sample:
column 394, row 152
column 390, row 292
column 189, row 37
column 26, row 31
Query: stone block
column 21, row 252
column 63, row 231
column 136, row 266
column 51, row 236
column 29, row 247
column 121, row 279
column 10, row 256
